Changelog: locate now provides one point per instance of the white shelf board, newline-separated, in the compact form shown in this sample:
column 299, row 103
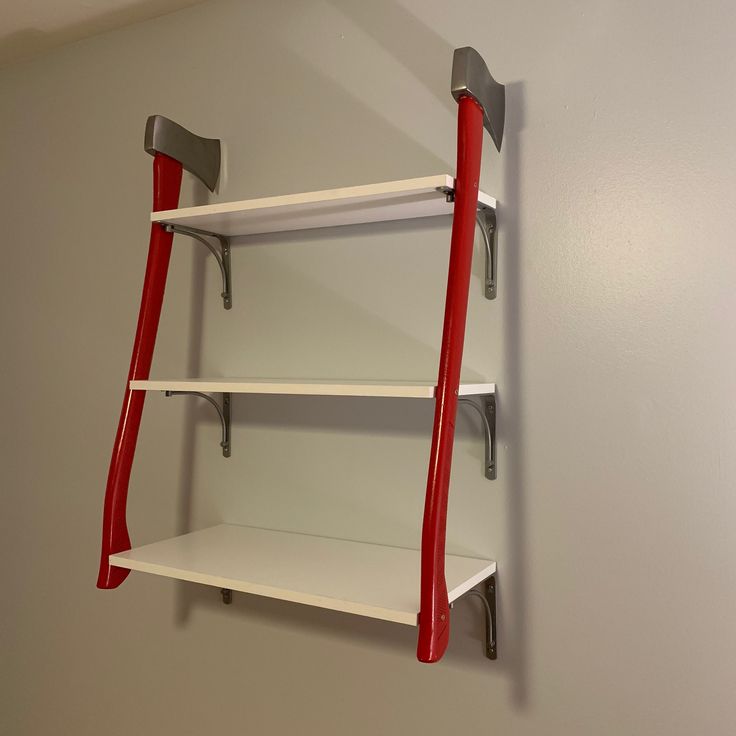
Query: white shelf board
column 311, row 387
column 354, row 577
column 392, row 200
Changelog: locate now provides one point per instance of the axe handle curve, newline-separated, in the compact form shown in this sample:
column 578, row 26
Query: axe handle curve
column 167, row 174
column 434, row 615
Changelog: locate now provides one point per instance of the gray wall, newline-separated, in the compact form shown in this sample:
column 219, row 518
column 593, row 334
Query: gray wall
column 612, row 342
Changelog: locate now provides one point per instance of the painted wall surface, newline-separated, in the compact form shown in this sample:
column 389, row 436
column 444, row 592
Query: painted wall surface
column 614, row 516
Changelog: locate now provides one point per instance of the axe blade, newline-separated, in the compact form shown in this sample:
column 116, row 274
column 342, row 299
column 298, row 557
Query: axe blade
column 470, row 76
column 199, row 156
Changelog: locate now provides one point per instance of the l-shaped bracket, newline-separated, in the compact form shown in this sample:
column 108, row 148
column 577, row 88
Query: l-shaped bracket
column 223, row 412
column 487, row 413
column 486, row 219
column 488, row 596
column 222, row 258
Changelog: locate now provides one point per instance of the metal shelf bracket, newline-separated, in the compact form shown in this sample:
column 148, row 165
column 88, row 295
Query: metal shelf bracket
column 486, row 219
column 222, row 257
column 222, row 412
column 487, row 413
column 488, row 596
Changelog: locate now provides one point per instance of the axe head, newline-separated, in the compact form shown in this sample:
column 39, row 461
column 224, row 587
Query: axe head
column 199, row 156
column 470, row 76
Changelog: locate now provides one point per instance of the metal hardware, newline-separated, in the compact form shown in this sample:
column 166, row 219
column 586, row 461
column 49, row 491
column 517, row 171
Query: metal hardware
column 488, row 416
column 227, row 596
column 489, row 604
column 199, row 156
column 222, row 258
column 449, row 193
column 471, row 78
column 486, row 219
column 223, row 413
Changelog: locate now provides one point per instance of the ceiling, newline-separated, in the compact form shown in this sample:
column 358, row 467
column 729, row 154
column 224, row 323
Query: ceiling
column 29, row 27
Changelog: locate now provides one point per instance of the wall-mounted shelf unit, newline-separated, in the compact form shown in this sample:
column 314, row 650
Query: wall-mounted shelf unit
column 406, row 586
column 364, row 579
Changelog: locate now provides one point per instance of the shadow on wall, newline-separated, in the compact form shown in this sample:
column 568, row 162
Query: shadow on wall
column 28, row 42
column 466, row 647
column 412, row 43
column 196, row 330
column 512, row 587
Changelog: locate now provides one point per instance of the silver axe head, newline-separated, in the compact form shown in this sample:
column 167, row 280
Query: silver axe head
column 199, row 156
column 470, row 76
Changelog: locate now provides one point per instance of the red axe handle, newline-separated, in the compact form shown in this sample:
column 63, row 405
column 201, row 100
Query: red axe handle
column 481, row 103
column 167, row 175
column 173, row 148
column 434, row 617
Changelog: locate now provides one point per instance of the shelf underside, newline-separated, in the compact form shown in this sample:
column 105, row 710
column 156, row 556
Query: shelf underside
column 311, row 387
column 393, row 200
column 354, row 577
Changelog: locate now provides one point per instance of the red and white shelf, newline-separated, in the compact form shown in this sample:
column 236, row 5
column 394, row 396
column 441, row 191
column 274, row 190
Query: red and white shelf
column 365, row 579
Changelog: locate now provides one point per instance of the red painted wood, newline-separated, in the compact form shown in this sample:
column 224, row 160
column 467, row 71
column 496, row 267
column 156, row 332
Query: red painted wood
column 167, row 174
column 434, row 615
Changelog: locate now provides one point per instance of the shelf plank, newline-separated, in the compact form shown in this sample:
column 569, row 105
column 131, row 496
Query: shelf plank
column 311, row 387
column 392, row 200
column 354, row 577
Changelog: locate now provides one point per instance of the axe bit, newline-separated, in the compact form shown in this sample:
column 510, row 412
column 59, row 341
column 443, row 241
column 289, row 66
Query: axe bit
column 470, row 77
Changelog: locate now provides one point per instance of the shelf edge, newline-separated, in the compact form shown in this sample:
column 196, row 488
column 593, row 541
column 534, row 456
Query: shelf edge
column 354, row 390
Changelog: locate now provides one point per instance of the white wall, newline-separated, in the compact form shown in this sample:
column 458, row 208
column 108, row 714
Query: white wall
column 612, row 343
